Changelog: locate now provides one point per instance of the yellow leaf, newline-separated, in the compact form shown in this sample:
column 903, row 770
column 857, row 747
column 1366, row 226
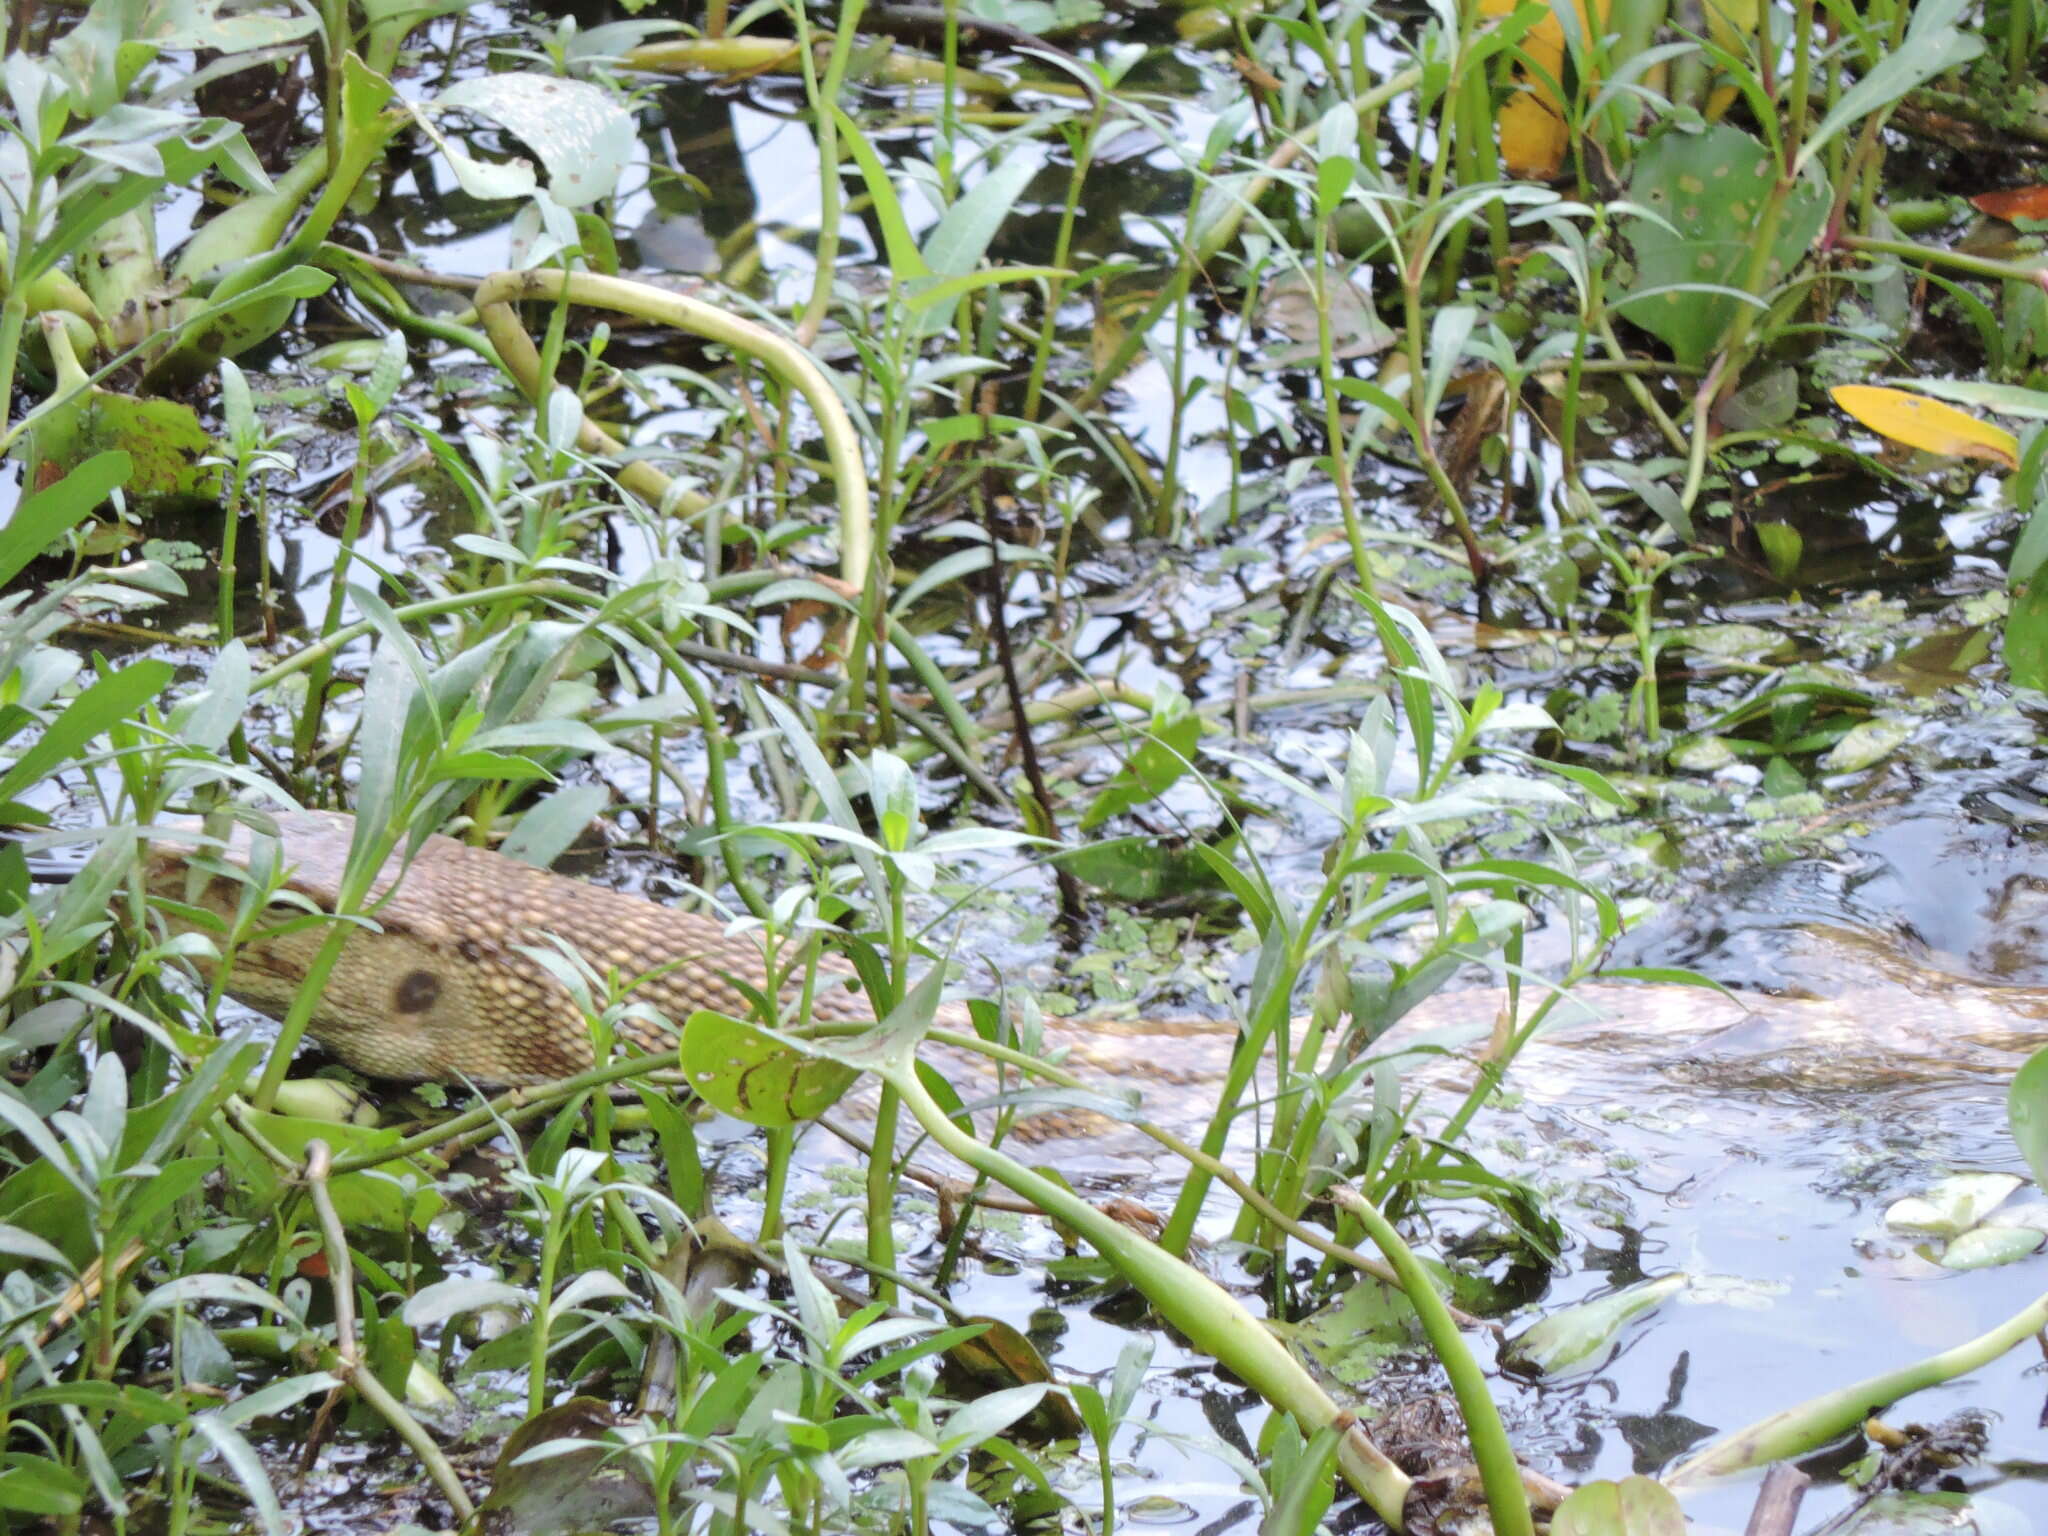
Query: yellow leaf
column 1731, row 24
column 1928, row 425
column 1533, row 135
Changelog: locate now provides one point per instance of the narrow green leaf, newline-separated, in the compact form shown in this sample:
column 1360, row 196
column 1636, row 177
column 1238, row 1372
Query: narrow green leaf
column 111, row 699
column 45, row 517
column 905, row 261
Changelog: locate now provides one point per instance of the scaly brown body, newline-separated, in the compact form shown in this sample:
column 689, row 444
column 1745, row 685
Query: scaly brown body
column 442, row 989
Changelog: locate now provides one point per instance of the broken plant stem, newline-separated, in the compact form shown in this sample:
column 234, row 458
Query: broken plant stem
column 1507, row 1497
column 1212, row 1319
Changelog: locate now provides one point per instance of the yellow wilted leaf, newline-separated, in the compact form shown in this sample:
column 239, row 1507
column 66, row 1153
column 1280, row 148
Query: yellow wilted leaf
column 1533, row 136
column 1928, row 425
column 1731, row 24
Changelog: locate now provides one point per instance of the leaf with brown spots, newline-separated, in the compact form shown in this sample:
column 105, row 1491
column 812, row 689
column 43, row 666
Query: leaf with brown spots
column 747, row 1073
column 1709, row 190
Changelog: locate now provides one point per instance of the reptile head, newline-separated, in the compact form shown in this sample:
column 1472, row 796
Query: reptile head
column 411, row 996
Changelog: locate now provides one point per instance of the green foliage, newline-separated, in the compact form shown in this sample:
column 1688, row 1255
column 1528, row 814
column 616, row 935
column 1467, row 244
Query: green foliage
column 1035, row 365
column 1707, row 195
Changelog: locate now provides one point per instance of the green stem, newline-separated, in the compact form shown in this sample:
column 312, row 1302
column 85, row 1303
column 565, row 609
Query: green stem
column 1209, row 1316
column 789, row 363
column 826, row 124
column 300, row 1016
column 1956, row 261
column 1507, row 1498
column 1333, row 419
column 337, row 591
column 543, row 1316
column 1795, row 1431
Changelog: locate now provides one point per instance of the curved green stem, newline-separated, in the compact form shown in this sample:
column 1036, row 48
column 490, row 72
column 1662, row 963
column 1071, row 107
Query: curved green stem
column 1211, row 1318
column 788, row 362
column 1507, row 1499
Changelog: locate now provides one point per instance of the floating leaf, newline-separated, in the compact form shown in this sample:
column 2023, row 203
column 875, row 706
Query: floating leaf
column 1928, row 425
column 752, row 1076
column 1782, row 545
column 1288, row 304
column 2026, row 1109
column 1635, row 1506
column 1353, row 1339
column 1934, row 1514
column 1142, row 869
column 1036, row 16
column 1769, row 400
column 579, row 131
column 562, row 1471
column 1952, row 1205
column 1987, row 1247
column 1867, row 742
column 1581, row 1334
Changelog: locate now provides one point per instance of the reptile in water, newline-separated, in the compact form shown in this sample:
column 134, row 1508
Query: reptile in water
column 441, row 988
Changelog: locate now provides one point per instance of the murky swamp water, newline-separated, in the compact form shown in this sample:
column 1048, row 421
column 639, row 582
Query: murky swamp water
column 1758, row 1162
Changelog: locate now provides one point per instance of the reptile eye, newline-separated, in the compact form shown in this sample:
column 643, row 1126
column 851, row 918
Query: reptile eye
column 416, row 993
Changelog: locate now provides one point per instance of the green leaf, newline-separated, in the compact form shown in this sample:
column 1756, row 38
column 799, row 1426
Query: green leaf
column 241, row 1459
column 1160, row 760
column 35, row 1485
column 396, row 1196
column 190, row 25
column 1635, row 1506
column 753, row 1076
column 905, row 261
column 544, row 833
column 1142, row 869
column 581, row 133
column 1933, row 45
column 1583, row 1334
column 1951, row 1206
column 46, row 516
column 941, row 291
column 1990, row 1247
column 1448, row 334
column 1708, row 192
column 2026, row 637
column 2026, row 1109
column 111, row 699
column 1783, row 545
column 1304, row 1496
column 961, row 238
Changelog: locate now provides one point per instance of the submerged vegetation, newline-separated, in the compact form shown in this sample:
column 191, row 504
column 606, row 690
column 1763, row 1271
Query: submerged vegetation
column 1442, row 387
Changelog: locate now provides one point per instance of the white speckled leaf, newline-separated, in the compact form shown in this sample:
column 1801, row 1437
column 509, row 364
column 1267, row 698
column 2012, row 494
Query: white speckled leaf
column 581, row 134
column 1986, row 1247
